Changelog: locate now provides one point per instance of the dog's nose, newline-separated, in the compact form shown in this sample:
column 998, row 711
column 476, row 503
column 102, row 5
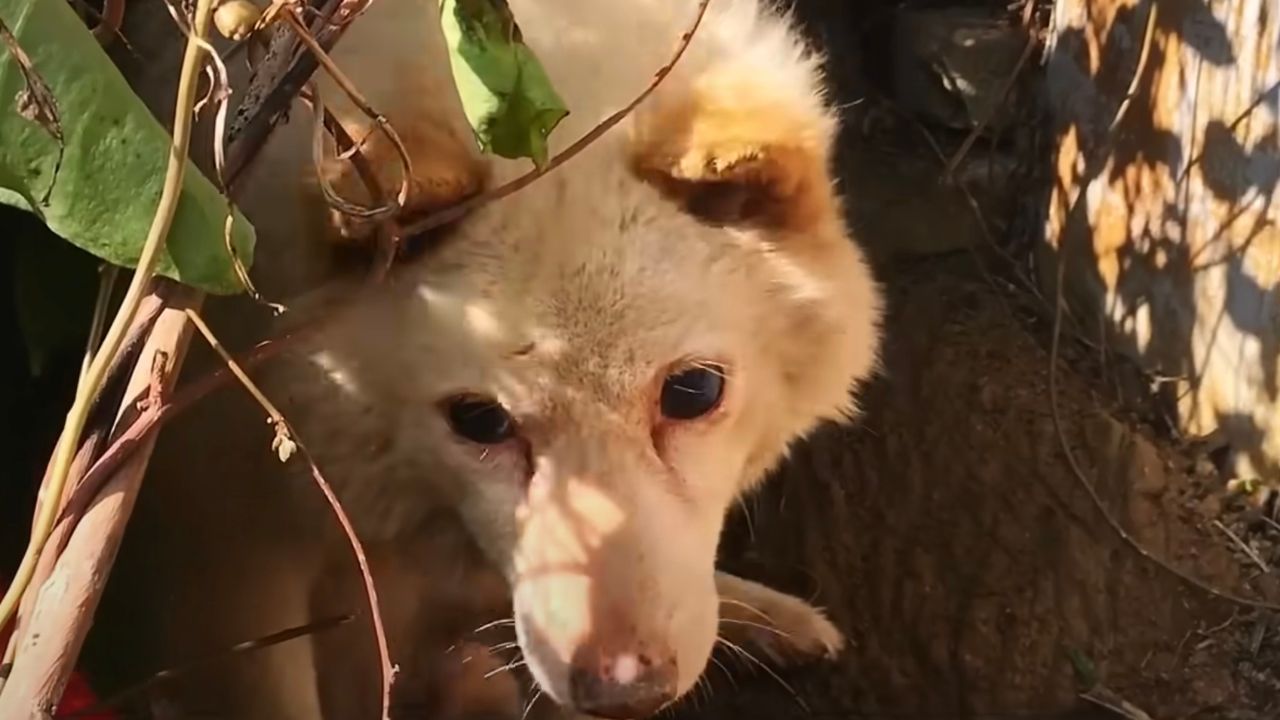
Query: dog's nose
column 622, row 687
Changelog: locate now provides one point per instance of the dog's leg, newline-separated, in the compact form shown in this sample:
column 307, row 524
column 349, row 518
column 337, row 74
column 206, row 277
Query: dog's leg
column 783, row 626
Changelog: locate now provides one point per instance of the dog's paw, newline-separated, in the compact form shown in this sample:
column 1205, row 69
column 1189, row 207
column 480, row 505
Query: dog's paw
column 783, row 626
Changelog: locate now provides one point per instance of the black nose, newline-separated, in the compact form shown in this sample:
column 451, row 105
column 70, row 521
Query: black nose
column 622, row 687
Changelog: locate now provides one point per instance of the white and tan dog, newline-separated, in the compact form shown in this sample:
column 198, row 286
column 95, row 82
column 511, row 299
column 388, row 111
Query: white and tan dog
column 588, row 373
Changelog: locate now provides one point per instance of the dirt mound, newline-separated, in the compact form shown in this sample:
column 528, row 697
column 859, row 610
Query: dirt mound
column 950, row 539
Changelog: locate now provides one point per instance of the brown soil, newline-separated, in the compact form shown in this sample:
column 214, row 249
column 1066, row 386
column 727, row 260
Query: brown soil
column 952, row 542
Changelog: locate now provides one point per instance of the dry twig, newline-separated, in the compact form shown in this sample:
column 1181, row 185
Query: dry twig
column 88, row 390
column 354, row 94
column 248, row 133
column 60, row 617
column 112, row 18
column 261, row 643
column 1244, row 547
column 949, row 172
column 285, row 444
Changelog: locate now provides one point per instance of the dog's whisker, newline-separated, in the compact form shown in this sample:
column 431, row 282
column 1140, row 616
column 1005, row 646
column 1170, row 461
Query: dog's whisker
column 537, row 693
column 746, row 513
column 711, row 691
column 494, row 624
column 734, row 601
column 732, row 680
column 503, row 646
column 768, row 670
column 505, row 668
column 762, row 626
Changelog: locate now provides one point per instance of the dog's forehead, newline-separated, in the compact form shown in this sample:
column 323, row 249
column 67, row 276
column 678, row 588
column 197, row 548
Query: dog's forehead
column 589, row 276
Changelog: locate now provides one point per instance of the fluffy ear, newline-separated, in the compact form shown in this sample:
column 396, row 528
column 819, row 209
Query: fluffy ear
column 732, row 151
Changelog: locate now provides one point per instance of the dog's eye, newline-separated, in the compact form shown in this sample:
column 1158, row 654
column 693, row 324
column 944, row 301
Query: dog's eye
column 692, row 393
column 480, row 420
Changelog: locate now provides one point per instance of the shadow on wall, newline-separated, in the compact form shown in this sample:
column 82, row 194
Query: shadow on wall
column 1166, row 223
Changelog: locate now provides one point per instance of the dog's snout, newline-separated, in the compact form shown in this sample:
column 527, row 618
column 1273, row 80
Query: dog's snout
column 625, row 686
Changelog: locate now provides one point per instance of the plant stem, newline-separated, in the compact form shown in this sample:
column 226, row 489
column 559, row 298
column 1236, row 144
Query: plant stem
column 51, row 493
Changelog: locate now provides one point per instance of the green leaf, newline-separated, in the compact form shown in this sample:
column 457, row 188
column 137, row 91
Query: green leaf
column 509, row 99
column 86, row 154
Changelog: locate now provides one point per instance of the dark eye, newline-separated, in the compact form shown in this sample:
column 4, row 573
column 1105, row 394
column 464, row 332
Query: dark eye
column 480, row 420
column 692, row 393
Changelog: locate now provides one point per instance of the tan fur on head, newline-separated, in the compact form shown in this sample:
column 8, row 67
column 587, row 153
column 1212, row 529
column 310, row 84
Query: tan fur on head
column 702, row 232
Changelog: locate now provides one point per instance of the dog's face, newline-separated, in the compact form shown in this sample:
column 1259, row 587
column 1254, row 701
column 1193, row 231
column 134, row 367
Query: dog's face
column 598, row 365
column 602, row 363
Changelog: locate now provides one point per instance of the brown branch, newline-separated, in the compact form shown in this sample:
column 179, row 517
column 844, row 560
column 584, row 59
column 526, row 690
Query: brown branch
column 127, row 441
column 953, row 164
column 108, row 27
column 65, row 604
column 44, row 673
column 248, row 646
column 283, row 75
column 358, row 99
column 286, row 442
column 102, row 417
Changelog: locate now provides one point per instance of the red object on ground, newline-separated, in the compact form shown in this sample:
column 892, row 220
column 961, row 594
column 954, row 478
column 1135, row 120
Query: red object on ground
column 77, row 697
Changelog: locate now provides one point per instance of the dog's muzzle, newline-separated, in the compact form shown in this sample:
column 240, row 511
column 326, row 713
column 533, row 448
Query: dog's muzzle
column 625, row 686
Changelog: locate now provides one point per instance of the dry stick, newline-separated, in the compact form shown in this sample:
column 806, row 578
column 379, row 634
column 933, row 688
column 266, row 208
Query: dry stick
column 59, row 462
column 285, row 442
column 151, row 419
column 261, row 643
column 455, row 212
column 109, row 25
column 87, row 390
column 1055, row 342
column 66, row 603
column 102, row 417
column 350, row 89
column 949, row 172
column 248, row 136
column 1244, row 546
column 388, row 232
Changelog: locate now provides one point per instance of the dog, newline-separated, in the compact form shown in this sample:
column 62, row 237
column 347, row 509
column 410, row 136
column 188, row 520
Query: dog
column 547, row 416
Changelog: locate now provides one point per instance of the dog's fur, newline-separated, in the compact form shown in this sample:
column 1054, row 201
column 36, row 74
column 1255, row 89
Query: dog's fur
column 705, row 228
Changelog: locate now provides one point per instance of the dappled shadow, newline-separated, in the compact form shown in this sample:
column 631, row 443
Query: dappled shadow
column 1166, row 221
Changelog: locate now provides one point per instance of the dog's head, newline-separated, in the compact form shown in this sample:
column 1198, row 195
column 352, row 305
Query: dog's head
column 601, row 363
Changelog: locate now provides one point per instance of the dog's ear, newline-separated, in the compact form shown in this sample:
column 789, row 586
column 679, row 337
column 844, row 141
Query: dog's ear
column 733, row 152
